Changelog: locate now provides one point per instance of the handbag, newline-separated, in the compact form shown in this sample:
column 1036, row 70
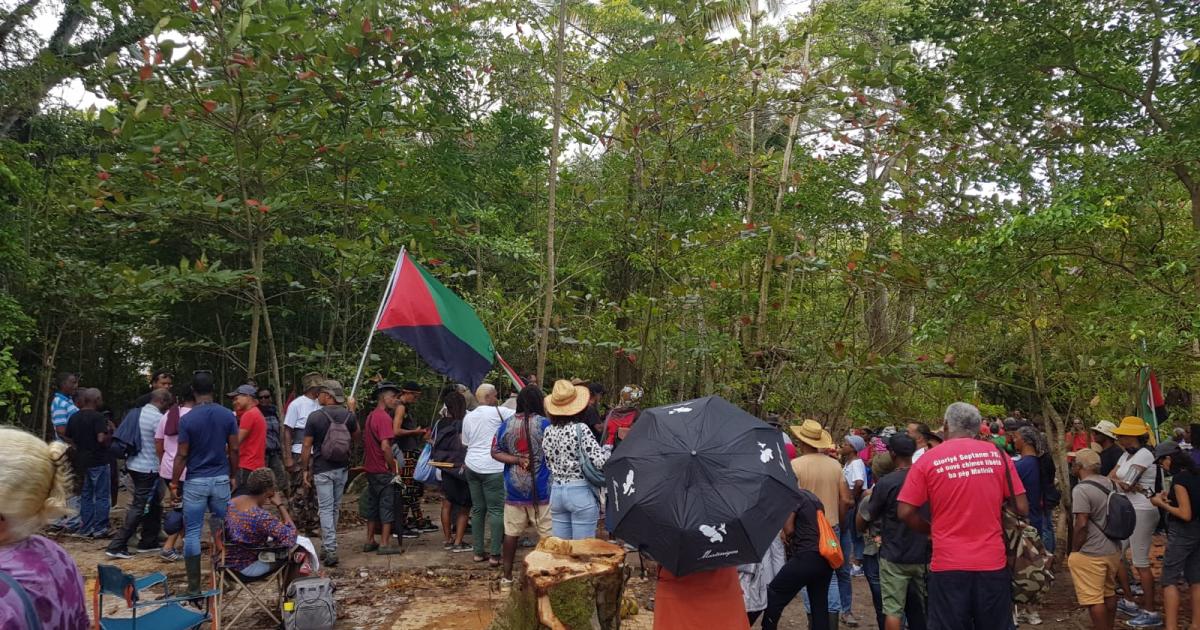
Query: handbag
column 828, row 544
column 593, row 476
column 424, row 472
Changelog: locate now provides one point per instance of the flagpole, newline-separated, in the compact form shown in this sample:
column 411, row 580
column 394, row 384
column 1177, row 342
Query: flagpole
column 387, row 293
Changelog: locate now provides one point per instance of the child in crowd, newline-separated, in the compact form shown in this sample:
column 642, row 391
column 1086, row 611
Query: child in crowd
column 173, row 528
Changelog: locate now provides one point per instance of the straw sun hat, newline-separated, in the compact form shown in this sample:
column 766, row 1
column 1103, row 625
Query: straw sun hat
column 567, row 399
column 812, row 434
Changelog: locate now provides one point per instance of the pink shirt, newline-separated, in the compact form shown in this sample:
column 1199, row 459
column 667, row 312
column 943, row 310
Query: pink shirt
column 963, row 481
column 170, row 447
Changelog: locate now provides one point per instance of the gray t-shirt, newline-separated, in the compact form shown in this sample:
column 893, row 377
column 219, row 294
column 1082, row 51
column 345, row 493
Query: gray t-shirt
column 1088, row 499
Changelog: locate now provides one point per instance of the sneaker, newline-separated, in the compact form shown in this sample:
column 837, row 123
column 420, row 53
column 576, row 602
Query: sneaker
column 1146, row 620
column 101, row 535
column 118, row 554
column 461, row 548
column 330, row 559
column 410, row 533
column 1032, row 618
column 370, row 547
column 139, row 550
column 389, row 550
column 849, row 620
column 427, row 528
column 1137, row 589
column 169, row 555
column 1128, row 608
column 856, row 570
column 448, row 546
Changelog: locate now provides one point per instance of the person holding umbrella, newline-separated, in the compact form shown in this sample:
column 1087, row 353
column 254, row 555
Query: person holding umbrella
column 702, row 487
column 574, row 507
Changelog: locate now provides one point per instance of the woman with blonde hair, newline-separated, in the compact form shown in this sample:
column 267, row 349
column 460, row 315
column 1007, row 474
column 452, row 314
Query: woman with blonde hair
column 41, row 584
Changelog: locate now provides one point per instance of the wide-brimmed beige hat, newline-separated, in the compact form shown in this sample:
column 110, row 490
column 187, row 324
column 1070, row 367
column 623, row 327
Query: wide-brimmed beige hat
column 567, row 399
column 1104, row 427
column 812, row 434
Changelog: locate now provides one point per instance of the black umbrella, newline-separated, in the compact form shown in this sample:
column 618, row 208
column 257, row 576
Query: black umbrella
column 700, row 485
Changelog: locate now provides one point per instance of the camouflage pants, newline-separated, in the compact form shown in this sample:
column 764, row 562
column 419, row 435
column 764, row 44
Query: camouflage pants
column 303, row 506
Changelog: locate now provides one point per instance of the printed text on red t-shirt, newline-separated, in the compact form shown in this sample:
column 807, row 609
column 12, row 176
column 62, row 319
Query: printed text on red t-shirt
column 967, row 464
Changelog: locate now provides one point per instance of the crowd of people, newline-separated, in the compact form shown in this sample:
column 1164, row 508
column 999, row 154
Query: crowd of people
column 918, row 512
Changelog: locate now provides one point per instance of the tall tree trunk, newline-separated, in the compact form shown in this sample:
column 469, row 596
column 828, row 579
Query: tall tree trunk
column 552, row 194
column 764, row 285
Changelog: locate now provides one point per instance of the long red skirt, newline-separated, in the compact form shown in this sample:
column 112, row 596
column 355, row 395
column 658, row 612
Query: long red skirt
column 709, row 599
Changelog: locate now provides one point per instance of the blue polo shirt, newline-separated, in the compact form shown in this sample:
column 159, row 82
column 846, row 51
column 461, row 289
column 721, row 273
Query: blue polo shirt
column 206, row 430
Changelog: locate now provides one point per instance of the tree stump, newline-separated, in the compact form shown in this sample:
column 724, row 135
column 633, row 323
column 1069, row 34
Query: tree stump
column 567, row 585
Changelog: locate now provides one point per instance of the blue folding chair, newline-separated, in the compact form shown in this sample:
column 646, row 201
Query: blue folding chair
column 167, row 613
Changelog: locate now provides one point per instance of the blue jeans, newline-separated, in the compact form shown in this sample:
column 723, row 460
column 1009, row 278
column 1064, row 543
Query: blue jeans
column 330, row 485
column 845, row 590
column 199, row 495
column 574, row 510
column 870, row 566
column 833, row 598
column 94, row 502
column 1047, row 530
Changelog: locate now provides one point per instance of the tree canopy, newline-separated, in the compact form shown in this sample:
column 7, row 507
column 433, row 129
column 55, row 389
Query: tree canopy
column 858, row 210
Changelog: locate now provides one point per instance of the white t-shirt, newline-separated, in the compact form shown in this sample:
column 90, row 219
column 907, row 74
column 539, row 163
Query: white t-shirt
column 478, row 432
column 1143, row 457
column 296, row 417
column 856, row 470
column 917, row 455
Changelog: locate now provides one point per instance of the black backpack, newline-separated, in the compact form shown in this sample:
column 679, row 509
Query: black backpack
column 1120, row 518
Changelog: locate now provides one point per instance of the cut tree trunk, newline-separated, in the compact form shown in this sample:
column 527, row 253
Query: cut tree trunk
column 568, row 585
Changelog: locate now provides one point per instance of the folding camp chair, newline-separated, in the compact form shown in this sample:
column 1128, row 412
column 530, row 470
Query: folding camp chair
column 264, row 592
column 166, row 613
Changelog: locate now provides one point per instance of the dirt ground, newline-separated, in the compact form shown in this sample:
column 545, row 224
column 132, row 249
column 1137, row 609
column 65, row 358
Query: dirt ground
column 427, row 588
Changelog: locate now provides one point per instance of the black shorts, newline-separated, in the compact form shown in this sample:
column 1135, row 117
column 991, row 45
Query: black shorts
column 1181, row 564
column 970, row 599
column 381, row 496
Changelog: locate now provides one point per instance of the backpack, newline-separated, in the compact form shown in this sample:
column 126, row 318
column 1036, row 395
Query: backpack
column 127, row 439
column 1024, row 550
column 336, row 445
column 1119, row 516
column 309, row 605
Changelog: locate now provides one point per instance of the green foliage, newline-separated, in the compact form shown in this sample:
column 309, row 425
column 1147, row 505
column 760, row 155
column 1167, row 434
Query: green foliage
column 990, row 201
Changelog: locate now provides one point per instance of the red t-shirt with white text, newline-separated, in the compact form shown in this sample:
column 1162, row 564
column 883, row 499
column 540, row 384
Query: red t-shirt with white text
column 964, row 483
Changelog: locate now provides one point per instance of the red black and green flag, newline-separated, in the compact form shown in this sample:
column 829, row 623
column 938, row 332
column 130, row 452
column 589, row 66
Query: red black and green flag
column 440, row 326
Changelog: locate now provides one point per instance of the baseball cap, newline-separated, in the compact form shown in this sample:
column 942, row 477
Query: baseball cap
column 856, row 442
column 334, row 388
column 902, row 445
column 312, row 380
column 244, row 390
column 1166, row 449
column 410, row 386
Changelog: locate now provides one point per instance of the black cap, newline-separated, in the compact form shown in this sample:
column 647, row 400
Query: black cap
column 202, row 382
column 902, row 445
column 385, row 386
column 410, row 386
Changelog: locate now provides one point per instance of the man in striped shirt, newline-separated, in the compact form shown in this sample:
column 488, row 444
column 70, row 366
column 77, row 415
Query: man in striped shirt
column 62, row 406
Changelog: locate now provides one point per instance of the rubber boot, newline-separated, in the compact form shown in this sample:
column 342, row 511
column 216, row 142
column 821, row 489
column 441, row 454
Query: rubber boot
column 834, row 620
column 192, row 564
